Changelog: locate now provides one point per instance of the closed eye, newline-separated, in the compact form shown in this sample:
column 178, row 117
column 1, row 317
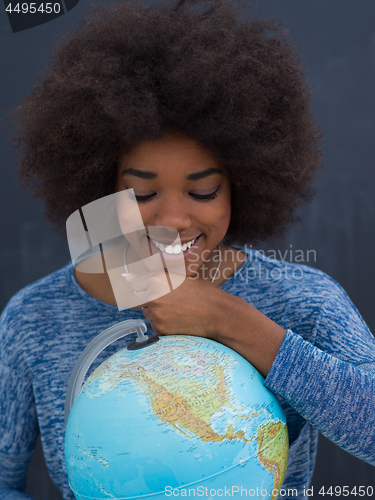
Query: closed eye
column 210, row 196
column 200, row 197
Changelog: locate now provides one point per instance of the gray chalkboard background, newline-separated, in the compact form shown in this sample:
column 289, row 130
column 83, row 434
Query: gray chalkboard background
column 336, row 40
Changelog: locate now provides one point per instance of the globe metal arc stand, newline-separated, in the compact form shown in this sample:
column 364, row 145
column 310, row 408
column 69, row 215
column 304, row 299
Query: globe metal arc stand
column 96, row 346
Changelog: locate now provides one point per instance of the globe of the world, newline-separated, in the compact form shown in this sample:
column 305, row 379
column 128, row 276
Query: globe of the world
column 185, row 416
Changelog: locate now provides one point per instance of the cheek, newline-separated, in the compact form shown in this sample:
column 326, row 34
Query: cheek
column 128, row 213
column 225, row 214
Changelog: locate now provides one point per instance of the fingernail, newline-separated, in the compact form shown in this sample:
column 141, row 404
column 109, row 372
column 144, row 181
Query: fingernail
column 129, row 276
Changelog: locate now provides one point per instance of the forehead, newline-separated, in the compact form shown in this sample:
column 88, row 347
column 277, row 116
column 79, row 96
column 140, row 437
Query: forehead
column 169, row 154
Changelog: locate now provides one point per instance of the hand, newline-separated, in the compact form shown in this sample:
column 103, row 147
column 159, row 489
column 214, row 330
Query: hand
column 199, row 308
column 190, row 309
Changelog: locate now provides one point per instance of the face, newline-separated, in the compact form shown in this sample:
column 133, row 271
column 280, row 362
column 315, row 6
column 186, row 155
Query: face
column 179, row 184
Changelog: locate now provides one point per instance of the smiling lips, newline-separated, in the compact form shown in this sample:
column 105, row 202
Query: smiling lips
column 175, row 249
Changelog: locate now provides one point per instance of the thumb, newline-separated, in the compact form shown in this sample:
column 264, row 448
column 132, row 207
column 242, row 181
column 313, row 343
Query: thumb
column 129, row 276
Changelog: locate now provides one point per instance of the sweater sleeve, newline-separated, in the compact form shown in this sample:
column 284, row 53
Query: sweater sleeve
column 18, row 417
column 332, row 383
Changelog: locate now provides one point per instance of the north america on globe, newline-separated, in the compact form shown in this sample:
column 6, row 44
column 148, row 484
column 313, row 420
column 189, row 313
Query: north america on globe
column 183, row 411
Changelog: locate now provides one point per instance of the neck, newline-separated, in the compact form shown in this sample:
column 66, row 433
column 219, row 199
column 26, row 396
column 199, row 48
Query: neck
column 210, row 269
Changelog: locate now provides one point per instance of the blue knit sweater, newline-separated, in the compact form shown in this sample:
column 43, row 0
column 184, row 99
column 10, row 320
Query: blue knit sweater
column 323, row 374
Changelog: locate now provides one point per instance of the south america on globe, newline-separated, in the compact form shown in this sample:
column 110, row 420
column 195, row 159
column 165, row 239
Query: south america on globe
column 185, row 416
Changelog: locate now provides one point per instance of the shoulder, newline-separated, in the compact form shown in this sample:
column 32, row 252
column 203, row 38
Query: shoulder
column 308, row 302
column 33, row 296
column 32, row 302
column 295, row 295
column 278, row 276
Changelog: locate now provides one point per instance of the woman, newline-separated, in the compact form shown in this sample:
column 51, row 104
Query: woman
column 206, row 118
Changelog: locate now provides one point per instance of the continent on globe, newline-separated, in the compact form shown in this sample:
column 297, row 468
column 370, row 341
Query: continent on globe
column 183, row 412
column 272, row 456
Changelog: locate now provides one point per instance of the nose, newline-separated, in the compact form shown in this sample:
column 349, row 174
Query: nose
column 172, row 211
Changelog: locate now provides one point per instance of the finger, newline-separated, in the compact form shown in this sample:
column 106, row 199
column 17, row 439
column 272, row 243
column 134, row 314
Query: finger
column 140, row 282
column 154, row 329
column 145, row 296
column 153, row 286
column 147, row 313
column 154, row 296
column 129, row 276
column 141, row 297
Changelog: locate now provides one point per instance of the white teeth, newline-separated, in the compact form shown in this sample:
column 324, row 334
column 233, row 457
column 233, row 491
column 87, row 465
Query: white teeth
column 173, row 250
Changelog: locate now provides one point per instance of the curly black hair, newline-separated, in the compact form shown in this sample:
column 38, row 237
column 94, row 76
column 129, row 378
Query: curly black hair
column 131, row 71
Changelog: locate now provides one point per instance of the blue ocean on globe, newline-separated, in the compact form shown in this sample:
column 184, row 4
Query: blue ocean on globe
column 185, row 416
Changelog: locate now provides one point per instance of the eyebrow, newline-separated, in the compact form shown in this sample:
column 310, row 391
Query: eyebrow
column 146, row 174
